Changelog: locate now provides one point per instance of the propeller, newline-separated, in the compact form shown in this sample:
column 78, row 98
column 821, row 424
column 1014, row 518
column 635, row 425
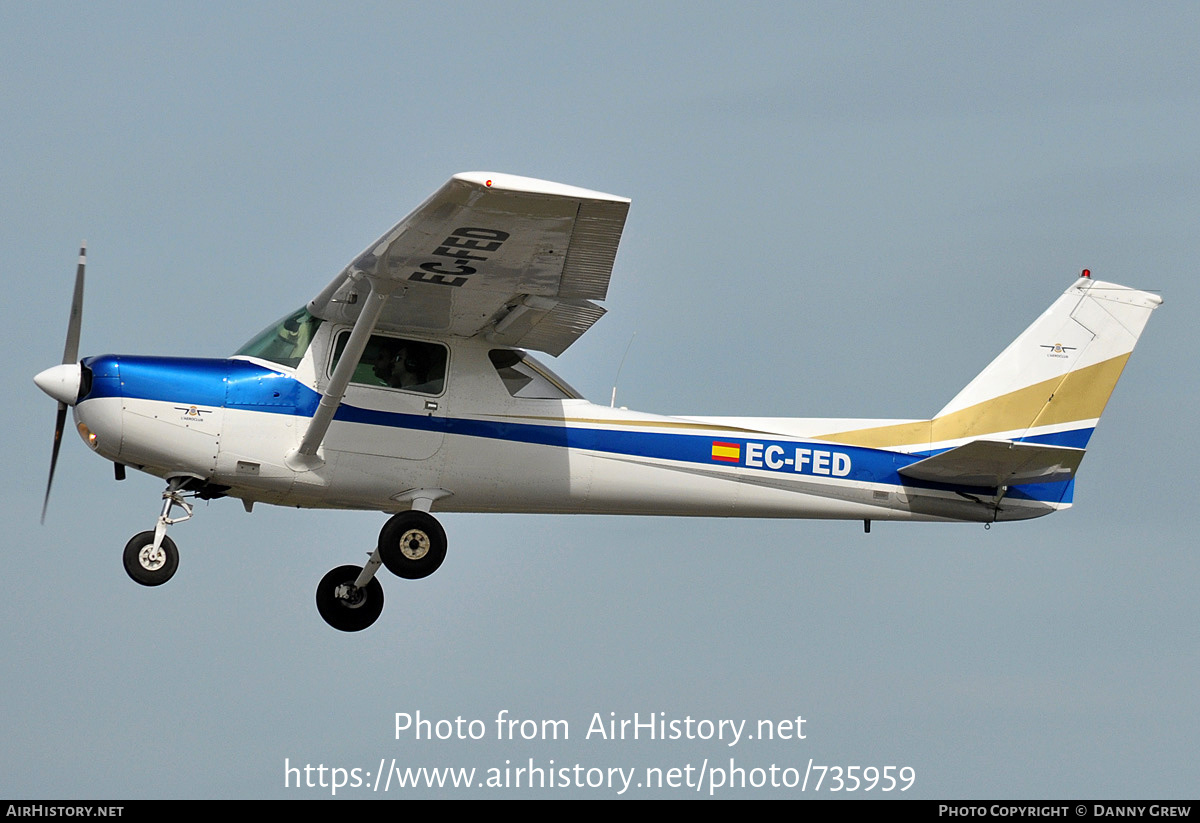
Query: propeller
column 57, row 381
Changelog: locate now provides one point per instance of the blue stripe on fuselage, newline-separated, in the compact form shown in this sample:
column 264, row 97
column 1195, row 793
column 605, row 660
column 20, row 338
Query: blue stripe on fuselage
column 1074, row 439
column 241, row 384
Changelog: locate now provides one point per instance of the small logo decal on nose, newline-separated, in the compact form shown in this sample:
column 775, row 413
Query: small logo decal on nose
column 193, row 413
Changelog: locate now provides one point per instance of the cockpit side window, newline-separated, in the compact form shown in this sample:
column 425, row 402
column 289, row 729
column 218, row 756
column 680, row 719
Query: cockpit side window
column 285, row 341
column 527, row 378
column 396, row 363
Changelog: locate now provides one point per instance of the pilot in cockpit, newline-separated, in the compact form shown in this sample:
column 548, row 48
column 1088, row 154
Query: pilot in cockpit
column 400, row 365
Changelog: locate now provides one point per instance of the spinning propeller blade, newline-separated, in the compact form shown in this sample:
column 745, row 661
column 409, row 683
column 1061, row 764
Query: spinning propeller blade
column 71, row 349
column 70, row 355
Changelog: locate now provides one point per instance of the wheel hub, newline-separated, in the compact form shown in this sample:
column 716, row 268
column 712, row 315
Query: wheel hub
column 350, row 595
column 150, row 559
column 414, row 544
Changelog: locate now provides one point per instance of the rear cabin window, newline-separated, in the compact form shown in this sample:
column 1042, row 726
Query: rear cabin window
column 396, row 363
column 527, row 378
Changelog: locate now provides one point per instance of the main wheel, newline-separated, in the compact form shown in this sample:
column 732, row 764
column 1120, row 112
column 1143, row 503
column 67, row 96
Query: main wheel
column 149, row 567
column 345, row 607
column 412, row 545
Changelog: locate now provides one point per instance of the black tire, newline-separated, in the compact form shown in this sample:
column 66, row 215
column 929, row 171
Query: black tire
column 352, row 614
column 412, row 545
column 148, row 569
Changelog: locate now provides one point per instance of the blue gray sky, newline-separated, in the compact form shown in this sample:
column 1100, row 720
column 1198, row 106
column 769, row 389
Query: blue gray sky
column 850, row 208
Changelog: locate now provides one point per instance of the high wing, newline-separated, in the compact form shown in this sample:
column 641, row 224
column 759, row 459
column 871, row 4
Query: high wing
column 517, row 259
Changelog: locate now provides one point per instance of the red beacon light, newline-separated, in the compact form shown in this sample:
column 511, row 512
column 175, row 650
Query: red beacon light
column 1086, row 273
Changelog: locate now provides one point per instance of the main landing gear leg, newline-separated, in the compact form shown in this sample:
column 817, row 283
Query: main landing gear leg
column 412, row 544
column 151, row 557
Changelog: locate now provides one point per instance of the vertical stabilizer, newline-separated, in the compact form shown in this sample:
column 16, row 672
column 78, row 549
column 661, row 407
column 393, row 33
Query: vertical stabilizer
column 1052, row 383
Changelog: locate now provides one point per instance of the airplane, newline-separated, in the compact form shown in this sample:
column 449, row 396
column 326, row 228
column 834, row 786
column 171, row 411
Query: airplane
column 406, row 387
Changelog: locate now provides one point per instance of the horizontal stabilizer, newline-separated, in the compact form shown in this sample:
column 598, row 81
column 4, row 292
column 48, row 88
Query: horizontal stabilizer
column 995, row 463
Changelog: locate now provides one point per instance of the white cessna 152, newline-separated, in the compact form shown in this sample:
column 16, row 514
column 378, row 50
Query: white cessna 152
column 404, row 387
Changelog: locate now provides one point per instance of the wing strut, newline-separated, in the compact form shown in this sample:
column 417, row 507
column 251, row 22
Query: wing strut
column 305, row 458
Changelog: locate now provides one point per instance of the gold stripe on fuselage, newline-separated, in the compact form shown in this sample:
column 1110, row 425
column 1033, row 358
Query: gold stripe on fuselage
column 1077, row 395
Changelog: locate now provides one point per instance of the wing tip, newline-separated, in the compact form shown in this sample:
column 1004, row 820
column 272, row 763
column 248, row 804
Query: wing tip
column 532, row 185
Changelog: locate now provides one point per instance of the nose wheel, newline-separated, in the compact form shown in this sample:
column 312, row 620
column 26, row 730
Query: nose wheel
column 151, row 557
column 148, row 564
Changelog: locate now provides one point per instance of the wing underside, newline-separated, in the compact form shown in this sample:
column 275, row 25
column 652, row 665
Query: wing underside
column 517, row 259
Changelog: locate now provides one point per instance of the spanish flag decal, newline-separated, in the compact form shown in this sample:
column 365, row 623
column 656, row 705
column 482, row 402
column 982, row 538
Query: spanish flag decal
column 726, row 452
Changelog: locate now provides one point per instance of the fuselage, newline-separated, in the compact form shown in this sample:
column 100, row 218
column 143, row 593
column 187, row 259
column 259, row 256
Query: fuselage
column 494, row 435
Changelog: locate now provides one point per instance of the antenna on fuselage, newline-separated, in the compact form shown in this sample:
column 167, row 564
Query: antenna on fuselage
column 612, row 403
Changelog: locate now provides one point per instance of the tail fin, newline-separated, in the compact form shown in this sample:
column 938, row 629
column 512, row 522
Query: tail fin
column 1051, row 384
column 1028, row 416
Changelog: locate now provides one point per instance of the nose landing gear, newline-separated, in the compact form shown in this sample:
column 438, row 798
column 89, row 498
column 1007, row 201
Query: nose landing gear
column 151, row 557
column 149, row 564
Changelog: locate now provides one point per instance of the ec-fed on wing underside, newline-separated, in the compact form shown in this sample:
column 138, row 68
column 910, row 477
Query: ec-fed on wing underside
column 514, row 258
